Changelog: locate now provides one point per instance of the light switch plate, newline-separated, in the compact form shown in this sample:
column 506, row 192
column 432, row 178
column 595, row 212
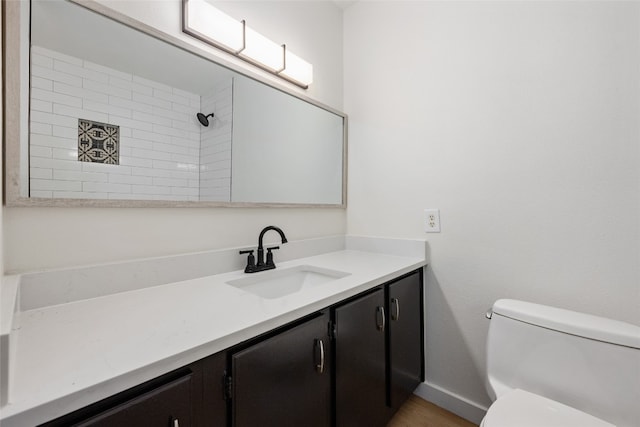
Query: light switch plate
column 432, row 220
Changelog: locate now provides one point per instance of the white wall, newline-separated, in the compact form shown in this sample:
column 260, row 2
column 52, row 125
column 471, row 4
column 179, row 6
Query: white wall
column 520, row 122
column 38, row 238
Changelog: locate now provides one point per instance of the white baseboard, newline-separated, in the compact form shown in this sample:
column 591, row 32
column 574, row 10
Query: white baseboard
column 452, row 402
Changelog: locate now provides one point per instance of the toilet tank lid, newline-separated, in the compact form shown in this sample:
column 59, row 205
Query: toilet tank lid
column 570, row 322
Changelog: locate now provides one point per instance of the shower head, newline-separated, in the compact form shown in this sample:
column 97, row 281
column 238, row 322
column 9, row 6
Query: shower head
column 204, row 121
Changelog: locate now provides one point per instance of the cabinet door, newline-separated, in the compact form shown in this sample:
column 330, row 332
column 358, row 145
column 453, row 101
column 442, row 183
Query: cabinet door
column 284, row 380
column 360, row 362
column 405, row 333
column 166, row 406
column 213, row 406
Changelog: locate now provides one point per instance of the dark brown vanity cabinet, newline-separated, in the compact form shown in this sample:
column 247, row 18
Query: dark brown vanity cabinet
column 351, row 364
column 284, row 379
column 378, row 352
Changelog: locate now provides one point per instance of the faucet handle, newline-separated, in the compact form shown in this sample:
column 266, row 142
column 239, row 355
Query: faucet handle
column 270, row 255
column 251, row 261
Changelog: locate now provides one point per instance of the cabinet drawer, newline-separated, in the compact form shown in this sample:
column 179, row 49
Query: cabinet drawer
column 166, row 406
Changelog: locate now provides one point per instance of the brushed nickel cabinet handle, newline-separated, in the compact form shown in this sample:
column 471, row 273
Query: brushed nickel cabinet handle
column 320, row 367
column 396, row 305
column 380, row 318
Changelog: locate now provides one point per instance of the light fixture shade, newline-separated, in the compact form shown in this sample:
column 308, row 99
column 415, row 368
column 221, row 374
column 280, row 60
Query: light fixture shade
column 260, row 49
column 212, row 25
column 298, row 69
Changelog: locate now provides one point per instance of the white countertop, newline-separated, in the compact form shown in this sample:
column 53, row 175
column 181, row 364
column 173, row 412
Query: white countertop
column 73, row 354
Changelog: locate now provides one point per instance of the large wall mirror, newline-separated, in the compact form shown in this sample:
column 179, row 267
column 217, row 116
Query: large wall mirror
column 115, row 116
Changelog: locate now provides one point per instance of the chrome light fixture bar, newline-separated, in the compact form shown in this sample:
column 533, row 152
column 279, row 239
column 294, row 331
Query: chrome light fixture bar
column 203, row 21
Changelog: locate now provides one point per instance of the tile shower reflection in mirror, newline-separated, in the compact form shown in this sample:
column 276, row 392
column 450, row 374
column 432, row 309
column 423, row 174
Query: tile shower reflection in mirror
column 164, row 152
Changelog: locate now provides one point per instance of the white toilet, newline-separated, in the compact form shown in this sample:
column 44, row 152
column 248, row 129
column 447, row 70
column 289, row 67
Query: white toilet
column 548, row 367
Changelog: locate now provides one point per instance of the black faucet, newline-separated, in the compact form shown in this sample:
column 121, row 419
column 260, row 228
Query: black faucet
column 261, row 265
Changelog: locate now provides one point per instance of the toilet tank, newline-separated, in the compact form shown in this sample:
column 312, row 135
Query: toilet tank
column 587, row 362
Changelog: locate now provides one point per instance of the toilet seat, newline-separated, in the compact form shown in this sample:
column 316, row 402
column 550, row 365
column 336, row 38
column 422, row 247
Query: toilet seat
column 519, row 408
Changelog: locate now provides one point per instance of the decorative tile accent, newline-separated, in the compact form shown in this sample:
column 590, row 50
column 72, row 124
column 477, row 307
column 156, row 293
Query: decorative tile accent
column 98, row 142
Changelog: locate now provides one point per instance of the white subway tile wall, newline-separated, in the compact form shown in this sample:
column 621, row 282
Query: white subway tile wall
column 215, row 147
column 159, row 132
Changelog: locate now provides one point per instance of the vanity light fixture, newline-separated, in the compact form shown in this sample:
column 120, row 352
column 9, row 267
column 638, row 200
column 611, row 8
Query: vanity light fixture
column 203, row 21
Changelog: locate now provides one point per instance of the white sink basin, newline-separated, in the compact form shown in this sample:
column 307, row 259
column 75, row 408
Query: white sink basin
column 278, row 283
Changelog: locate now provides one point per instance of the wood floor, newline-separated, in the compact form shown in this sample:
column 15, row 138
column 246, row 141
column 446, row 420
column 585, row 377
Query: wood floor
column 417, row 412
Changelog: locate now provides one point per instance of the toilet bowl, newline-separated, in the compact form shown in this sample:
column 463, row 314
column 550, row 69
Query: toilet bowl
column 549, row 367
